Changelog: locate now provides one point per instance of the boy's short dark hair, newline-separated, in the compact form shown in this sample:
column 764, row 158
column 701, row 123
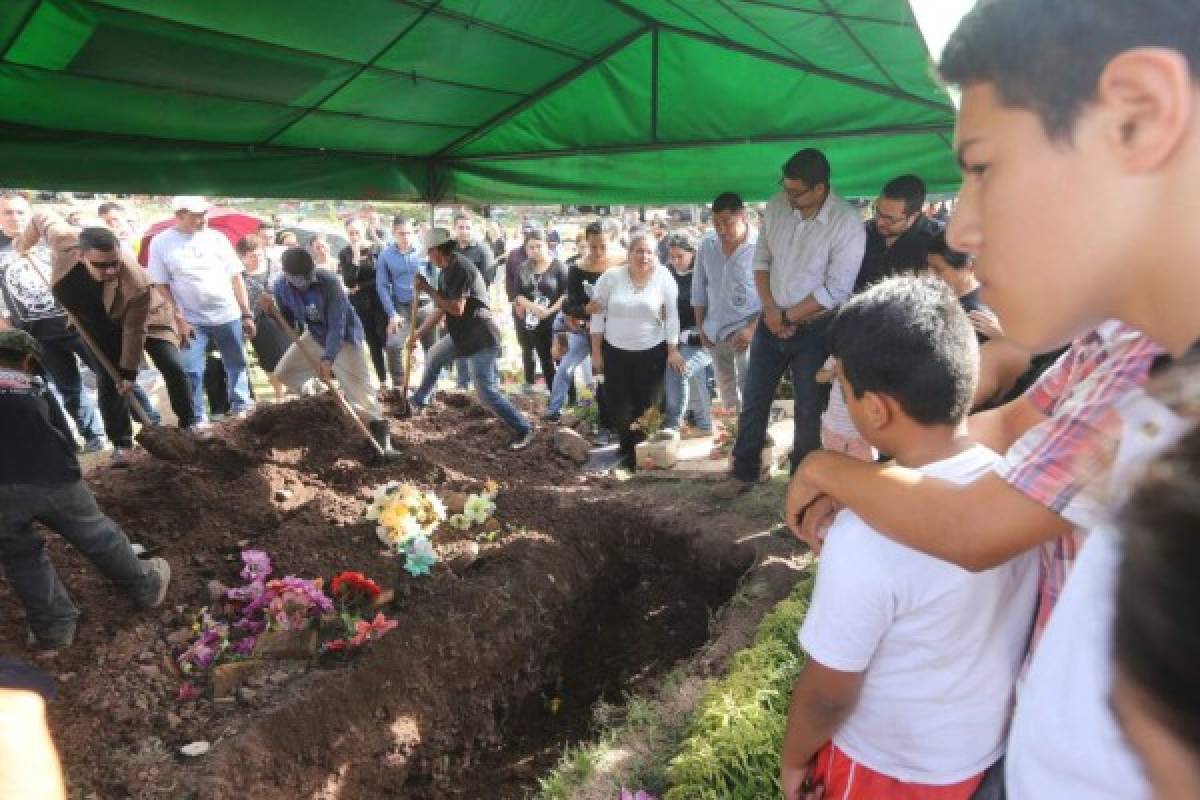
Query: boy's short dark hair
column 728, row 201
column 808, row 165
column 938, row 246
column 297, row 261
column 908, row 188
column 106, row 207
column 908, row 338
column 1046, row 56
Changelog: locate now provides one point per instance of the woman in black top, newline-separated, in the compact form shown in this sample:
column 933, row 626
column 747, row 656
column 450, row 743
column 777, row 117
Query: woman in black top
column 356, row 263
column 541, row 289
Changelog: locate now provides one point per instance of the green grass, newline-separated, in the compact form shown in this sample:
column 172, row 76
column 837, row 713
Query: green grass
column 731, row 749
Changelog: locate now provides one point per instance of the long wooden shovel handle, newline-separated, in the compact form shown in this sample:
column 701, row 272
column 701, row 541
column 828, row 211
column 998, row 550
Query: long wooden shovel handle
column 316, row 368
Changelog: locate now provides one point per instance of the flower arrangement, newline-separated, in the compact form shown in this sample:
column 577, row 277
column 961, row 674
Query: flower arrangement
column 478, row 507
column 265, row 605
column 649, row 423
column 586, row 408
column 355, row 593
column 407, row 517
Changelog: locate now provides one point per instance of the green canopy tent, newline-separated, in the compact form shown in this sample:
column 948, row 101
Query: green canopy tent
column 472, row 101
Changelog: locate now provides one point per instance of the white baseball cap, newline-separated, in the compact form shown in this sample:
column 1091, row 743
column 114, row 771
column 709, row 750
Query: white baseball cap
column 190, row 202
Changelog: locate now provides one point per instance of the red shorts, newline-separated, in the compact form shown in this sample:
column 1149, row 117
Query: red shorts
column 846, row 779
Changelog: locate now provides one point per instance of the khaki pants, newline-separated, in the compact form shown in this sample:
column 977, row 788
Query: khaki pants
column 351, row 369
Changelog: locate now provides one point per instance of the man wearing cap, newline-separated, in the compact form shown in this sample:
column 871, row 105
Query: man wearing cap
column 198, row 272
column 461, row 300
column 40, row 481
column 107, row 294
column 333, row 337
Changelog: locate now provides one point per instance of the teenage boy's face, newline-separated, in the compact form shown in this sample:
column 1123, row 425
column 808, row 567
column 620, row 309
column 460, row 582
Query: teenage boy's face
column 1044, row 219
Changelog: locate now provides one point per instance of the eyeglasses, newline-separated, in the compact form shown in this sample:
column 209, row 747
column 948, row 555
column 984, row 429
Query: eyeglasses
column 889, row 219
column 794, row 193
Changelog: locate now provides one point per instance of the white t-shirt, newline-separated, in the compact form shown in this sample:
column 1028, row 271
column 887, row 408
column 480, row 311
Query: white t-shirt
column 1065, row 742
column 199, row 268
column 941, row 646
column 633, row 318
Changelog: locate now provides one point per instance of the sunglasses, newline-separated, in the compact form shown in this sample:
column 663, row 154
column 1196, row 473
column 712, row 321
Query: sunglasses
column 106, row 264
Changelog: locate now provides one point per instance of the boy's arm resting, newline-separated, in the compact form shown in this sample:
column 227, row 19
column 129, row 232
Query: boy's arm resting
column 977, row 526
column 1001, row 364
column 822, row 698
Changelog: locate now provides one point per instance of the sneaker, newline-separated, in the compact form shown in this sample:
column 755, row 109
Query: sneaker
column 121, row 457
column 551, row 416
column 521, row 440
column 161, row 568
column 241, row 414
column 731, row 488
column 94, row 445
column 50, row 644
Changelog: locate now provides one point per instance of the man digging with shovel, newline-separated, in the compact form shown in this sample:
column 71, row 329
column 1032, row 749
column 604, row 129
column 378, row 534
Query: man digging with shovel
column 332, row 344
column 111, row 303
column 40, row 481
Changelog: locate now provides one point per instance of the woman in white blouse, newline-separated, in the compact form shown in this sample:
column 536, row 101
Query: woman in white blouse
column 635, row 335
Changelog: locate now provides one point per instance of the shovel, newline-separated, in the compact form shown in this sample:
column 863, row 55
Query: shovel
column 403, row 407
column 316, row 368
column 168, row 444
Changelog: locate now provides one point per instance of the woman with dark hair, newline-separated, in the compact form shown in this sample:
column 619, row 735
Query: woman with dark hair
column 595, row 259
column 541, row 286
column 356, row 264
column 1156, row 686
column 270, row 341
column 687, row 389
column 635, row 336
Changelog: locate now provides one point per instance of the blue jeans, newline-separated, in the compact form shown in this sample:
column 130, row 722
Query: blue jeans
column 70, row 511
column 579, row 353
column 228, row 339
column 803, row 354
column 485, row 376
column 59, row 358
column 689, row 388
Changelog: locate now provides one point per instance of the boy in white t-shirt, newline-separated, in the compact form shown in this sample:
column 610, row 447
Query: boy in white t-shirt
column 912, row 661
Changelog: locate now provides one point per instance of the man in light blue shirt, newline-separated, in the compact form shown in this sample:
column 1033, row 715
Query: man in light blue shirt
column 724, row 296
column 806, row 259
column 395, row 268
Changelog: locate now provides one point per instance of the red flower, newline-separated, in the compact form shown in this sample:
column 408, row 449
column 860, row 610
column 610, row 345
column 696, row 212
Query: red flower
column 335, row 645
column 355, row 582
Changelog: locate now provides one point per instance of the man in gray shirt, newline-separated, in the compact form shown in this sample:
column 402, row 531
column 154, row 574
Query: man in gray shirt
column 805, row 262
column 724, row 296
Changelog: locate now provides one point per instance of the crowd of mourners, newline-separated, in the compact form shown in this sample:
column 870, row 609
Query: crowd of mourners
column 1003, row 498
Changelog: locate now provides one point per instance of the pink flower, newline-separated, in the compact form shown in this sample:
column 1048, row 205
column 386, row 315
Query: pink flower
column 186, row 692
column 640, row 794
column 257, row 566
column 365, row 631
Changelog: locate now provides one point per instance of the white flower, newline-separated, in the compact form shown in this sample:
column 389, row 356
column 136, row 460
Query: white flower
column 385, row 535
column 478, row 508
column 436, row 506
column 459, row 522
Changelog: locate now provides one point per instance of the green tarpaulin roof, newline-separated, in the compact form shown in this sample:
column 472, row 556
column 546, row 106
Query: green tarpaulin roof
column 482, row 101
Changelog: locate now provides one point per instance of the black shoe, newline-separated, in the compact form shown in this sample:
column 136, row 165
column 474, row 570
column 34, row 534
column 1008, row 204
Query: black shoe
column 521, row 440
column 382, row 436
column 551, row 416
column 59, row 641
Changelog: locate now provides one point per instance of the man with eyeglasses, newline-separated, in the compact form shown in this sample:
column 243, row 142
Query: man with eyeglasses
column 805, row 262
column 106, row 293
column 898, row 235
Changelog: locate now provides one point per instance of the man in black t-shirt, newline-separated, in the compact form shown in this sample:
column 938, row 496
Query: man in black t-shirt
column 898, row 235
column 461, row 300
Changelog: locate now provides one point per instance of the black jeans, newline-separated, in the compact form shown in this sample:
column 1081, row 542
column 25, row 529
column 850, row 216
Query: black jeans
column 59, row 358
column 168, row 360
column 540, row 340
column 370, row 311
column 633, row 383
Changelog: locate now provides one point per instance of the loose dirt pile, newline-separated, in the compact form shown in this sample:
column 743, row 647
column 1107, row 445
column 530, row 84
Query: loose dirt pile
column 496, row 661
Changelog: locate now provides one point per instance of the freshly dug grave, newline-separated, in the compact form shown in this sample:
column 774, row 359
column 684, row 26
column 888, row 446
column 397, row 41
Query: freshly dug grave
column 493, row 667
